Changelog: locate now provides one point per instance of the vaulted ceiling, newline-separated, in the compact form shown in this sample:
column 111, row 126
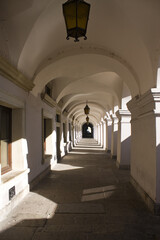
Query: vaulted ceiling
column 120, row 57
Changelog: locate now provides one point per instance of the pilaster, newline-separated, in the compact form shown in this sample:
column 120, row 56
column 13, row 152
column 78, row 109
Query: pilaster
column 123, row 139
column 108, row 133
column 114, row 136
column 102, row 134
column 145, row 147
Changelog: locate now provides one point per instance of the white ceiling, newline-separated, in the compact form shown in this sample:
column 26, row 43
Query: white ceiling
column 119, row 59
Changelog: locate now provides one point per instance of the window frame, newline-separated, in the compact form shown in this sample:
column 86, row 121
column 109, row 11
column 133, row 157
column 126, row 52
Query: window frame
column 9, row 143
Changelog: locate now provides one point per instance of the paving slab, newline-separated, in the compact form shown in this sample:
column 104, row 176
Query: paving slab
column 85, row 197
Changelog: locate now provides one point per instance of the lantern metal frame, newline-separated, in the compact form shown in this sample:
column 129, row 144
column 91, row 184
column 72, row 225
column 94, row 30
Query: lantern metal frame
column 87, row 120
column 86, row 109
column 76, row 31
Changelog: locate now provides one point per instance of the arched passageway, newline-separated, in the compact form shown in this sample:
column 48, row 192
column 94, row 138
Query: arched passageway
column 87, row 130
column 43, row 97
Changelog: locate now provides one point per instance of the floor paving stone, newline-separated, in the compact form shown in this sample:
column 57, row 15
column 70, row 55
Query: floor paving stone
column 85, row 197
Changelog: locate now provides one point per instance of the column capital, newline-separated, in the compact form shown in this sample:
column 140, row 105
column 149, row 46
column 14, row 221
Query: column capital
column 114, row 118
column 108, row 121
column 146, row 104
column 123, row 115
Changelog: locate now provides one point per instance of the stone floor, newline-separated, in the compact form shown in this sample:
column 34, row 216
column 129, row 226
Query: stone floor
column 85, row 197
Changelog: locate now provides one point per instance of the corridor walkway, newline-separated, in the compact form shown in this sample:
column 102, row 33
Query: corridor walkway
column 85, row 197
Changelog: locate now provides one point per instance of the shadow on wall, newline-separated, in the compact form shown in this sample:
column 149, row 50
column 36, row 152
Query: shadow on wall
column 124, row 152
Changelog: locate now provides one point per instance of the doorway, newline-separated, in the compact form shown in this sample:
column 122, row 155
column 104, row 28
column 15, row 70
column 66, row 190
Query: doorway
column 58, row 143
column 87, row 130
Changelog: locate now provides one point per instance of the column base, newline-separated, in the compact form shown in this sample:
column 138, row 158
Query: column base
column 38, row 178
column 153, row 207
column 122, row 166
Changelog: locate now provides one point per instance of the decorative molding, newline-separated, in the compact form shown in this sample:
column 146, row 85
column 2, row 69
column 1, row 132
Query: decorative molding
column 15, row 76
column 10, row 101
column 58, row 124
column 47, row 99
column 145, row 105
column 124, row 116
column 123, row 112
column 114, row 118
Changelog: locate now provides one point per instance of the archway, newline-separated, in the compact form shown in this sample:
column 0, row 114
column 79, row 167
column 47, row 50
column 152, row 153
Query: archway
column 87, row 130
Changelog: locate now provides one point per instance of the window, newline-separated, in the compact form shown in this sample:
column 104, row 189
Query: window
column 64, row 132
column 47, row 147
column 69, row 132
column 58, row 118
column 47, row 131
column 48, row 90
column 44, row 134
column 5, row 138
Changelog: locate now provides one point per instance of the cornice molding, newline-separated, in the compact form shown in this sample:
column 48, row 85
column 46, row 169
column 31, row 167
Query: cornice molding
column 145, row 105
column 124, row 116
column 47, row 99
column 15, row 76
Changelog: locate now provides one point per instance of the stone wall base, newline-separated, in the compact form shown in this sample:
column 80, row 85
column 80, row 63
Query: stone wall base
column 12, row 204
column 37, row 179
column 122, row 166
column 153, row 207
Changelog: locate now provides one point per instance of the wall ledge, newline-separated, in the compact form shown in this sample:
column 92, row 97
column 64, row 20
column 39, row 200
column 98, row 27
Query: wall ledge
column 12, row 176
column 48, row 100
column 15, row 76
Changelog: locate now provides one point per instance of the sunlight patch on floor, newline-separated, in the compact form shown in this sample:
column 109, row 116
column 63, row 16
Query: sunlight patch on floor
column 65, row 167
column 98, row 193
column 33, row 207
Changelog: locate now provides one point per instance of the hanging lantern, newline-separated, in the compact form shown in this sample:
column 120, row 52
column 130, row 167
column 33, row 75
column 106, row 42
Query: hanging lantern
column 76, row 14
column 87, row 120
column 86, row 110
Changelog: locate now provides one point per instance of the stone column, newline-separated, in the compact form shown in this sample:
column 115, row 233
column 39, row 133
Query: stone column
column 95, row 132
column 123, row 139
column 108, row 134
column 145, row 147
column 102, row 133
column 114, row 136
column 99, row 134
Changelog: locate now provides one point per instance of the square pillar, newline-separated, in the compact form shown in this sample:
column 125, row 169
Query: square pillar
column 99, row 134
column 114, row 136
column 123, row 139
column 145, row 147
column 102, row 134
column 108, row 134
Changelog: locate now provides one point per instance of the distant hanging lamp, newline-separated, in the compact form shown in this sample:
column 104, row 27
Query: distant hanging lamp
column 87, row 120
column 76, row 15
column 86, row 109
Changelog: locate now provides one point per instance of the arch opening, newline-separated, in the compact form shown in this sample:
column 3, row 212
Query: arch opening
column 87, row 130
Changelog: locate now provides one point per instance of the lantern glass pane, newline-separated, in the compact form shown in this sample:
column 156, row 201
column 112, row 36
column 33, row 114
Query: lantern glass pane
column 69, row 11
column 82, row 15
